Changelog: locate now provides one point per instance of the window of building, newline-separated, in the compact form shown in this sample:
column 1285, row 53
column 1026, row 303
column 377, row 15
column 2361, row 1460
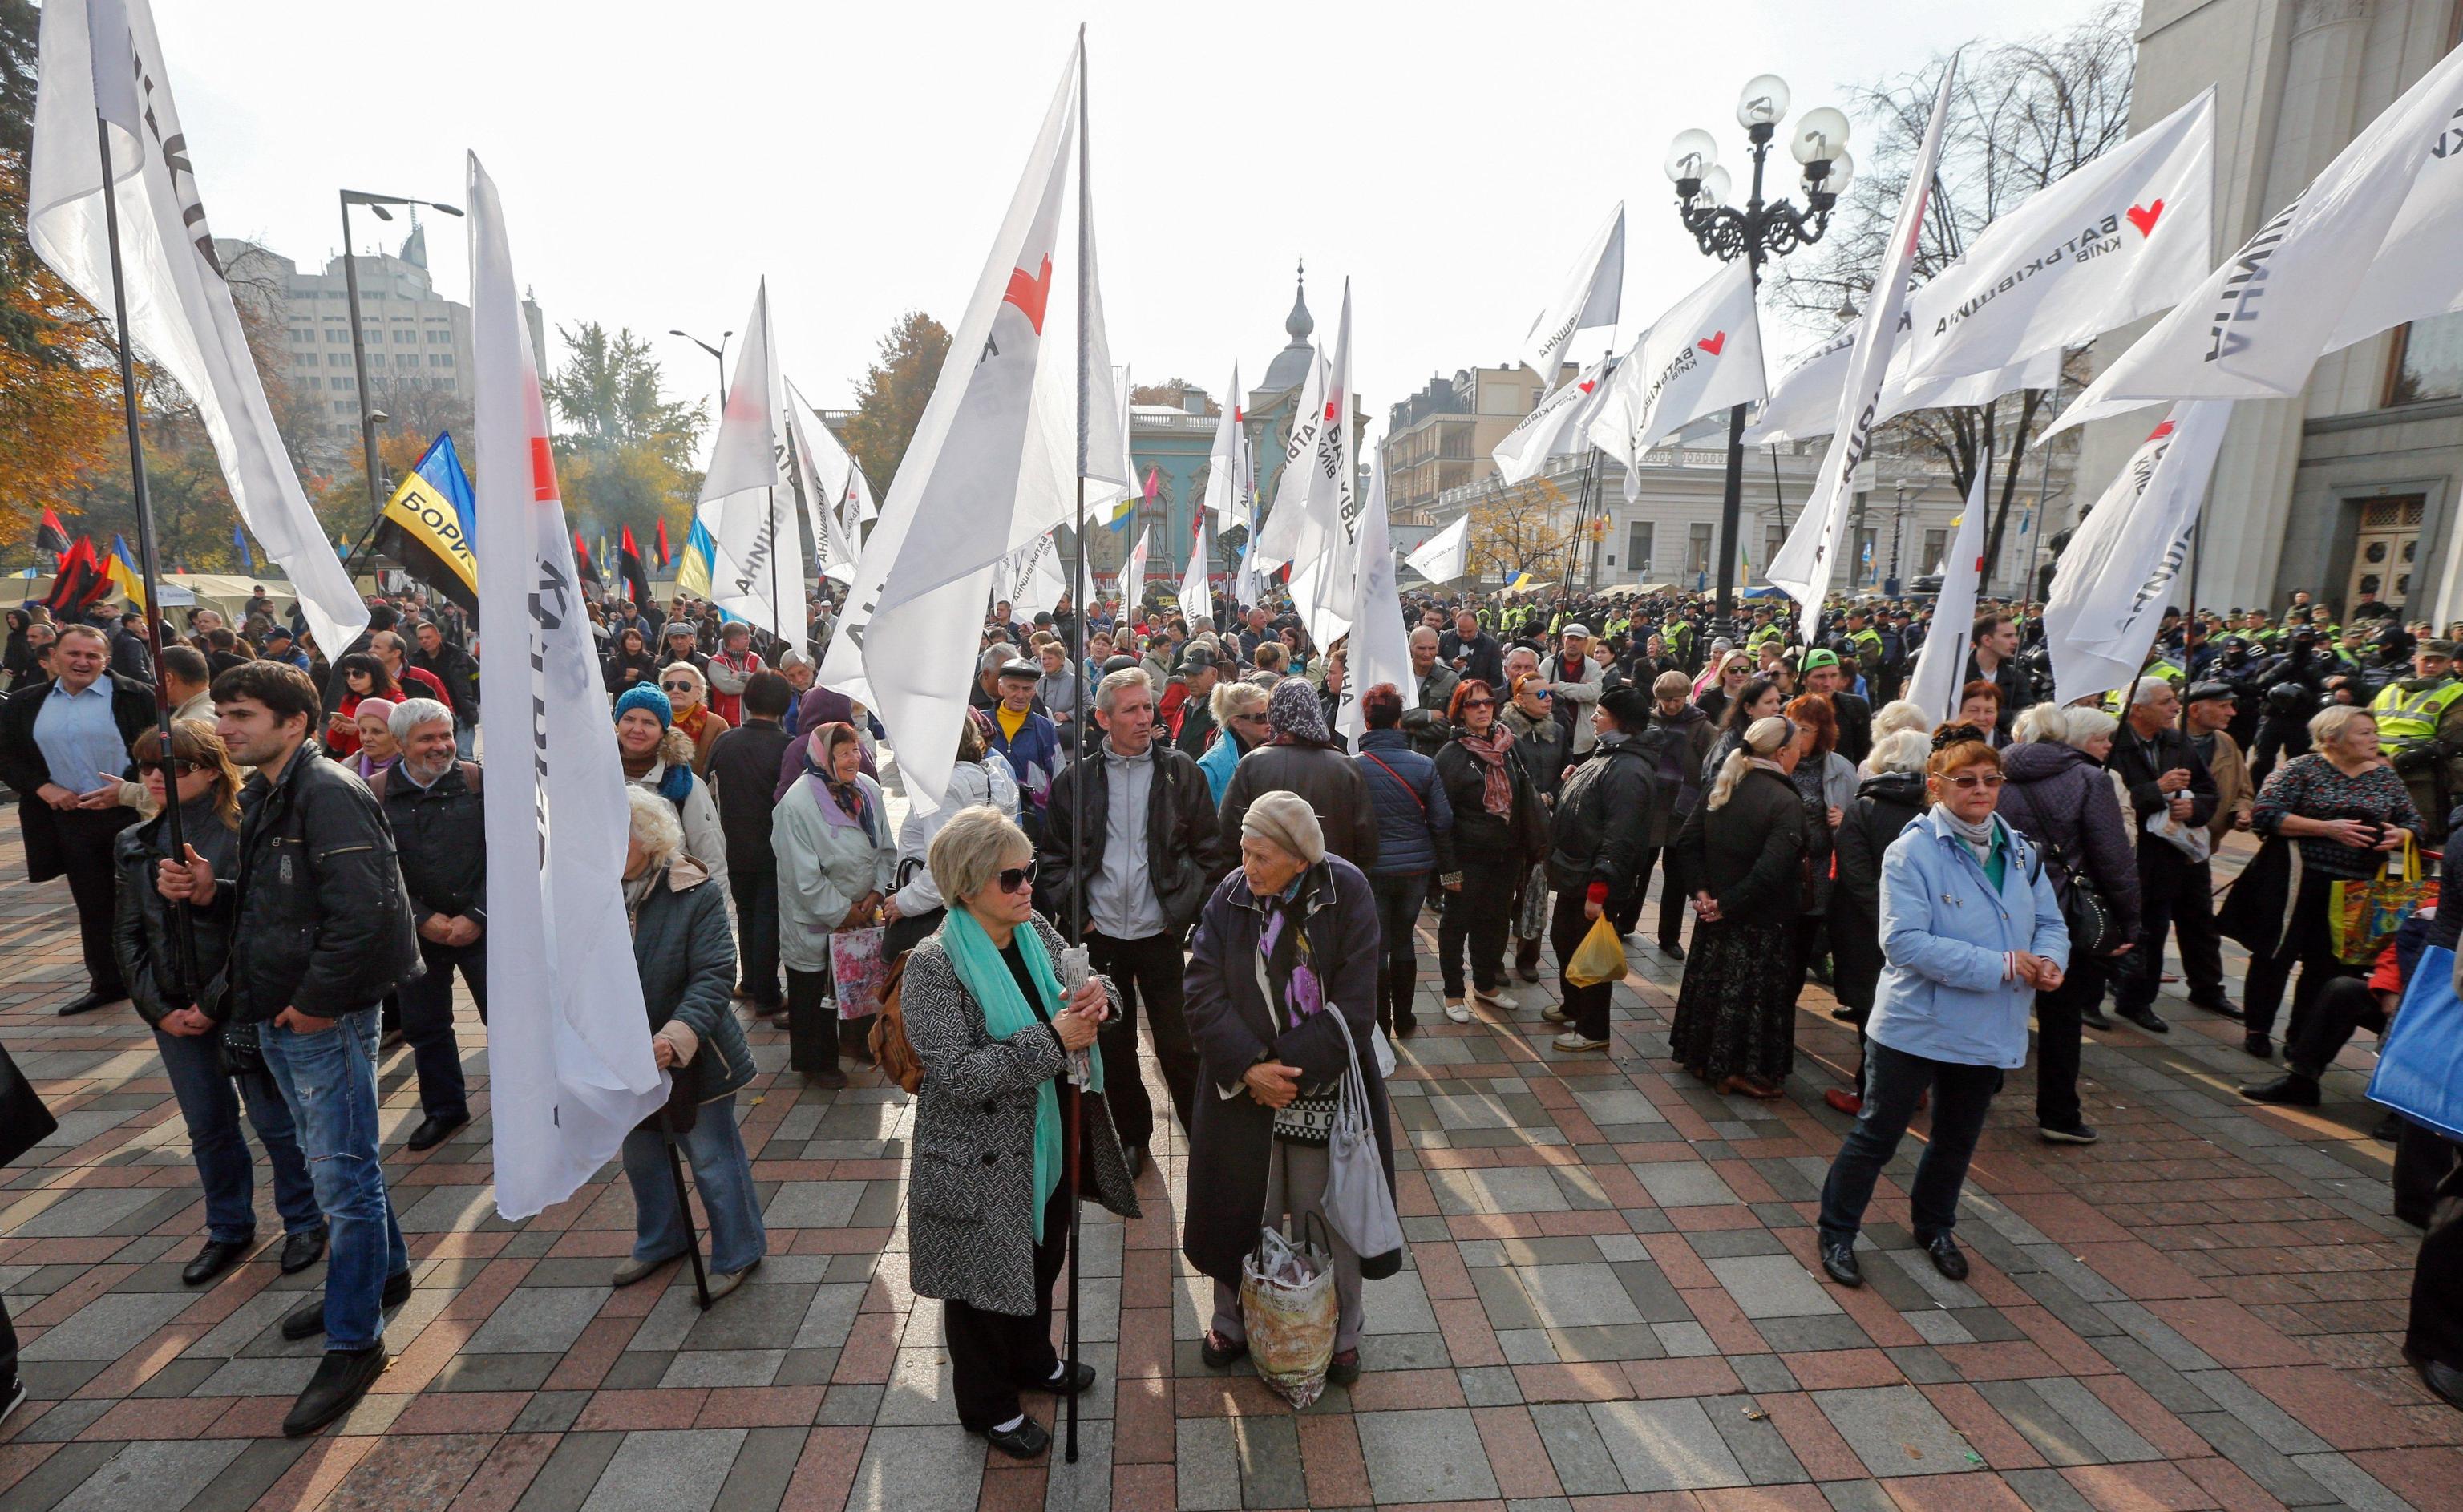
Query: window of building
column 1936, row 547
column 1697, row 549
column 304, row 334
column 331, row 335
column 2427, row 363
column 1637, row 546
column 1772, row 539
column 342, row 406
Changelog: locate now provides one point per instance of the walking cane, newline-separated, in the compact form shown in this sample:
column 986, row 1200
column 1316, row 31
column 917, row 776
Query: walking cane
column 683, row 1209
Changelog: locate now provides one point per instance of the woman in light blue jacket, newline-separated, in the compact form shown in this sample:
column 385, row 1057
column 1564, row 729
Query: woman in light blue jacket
column 1972, row 931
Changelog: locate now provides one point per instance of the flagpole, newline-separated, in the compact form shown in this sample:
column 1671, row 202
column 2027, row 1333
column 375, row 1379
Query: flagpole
column 2043, row 487
column 1078, row 733
column 184, row 938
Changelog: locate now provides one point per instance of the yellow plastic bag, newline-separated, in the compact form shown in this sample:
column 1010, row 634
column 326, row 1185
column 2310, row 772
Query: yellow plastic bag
column 1599, row 957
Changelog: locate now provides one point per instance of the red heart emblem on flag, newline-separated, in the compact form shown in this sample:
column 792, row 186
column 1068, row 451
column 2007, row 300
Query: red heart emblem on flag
column 1030, row 294
column 2144, row 217
column 2159, row 432
column 1586, row 384
column 1712, row 344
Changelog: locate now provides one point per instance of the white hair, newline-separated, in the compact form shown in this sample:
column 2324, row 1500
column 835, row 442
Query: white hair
column 2146, row 690
column 1900, row 713
column 411, row 713
column 1109, row 690
column 1899, row 750
column 654, row 824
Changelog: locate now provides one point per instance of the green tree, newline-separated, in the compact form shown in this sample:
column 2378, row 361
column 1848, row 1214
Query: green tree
column 890, row 401
column 623, row 449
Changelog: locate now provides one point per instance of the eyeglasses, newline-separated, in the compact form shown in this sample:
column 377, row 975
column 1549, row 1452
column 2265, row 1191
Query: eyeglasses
column 1972, row 781
column 1479, row 703
column 180, row 769
column 1016, row 878
column 677, row 687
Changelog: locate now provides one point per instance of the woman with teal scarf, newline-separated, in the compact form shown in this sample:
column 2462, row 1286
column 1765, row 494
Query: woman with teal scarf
column 987, row 1206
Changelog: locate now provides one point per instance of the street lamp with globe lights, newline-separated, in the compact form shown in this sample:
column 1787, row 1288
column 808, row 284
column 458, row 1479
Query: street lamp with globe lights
column 1818, row 140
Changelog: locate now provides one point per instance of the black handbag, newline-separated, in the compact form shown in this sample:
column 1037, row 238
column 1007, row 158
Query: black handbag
column 24, row 1121
column 2094, row 925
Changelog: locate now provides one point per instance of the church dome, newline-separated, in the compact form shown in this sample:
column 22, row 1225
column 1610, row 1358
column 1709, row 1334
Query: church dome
column 1290, row 367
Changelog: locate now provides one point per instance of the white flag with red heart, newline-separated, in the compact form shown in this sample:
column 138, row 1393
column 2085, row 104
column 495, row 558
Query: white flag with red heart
column 1705, row 354
column 1557, row 427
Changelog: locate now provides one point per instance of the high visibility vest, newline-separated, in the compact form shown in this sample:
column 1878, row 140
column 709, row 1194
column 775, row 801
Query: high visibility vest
column 1767, row 633
column 1869, row 646
column 2411, row 717
column 2117, row 702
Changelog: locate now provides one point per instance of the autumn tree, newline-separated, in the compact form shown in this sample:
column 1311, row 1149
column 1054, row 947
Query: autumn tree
column 2022, row 114
column 1172, row 393
column 1527, row 528
column 890, row 403
column 623, row 449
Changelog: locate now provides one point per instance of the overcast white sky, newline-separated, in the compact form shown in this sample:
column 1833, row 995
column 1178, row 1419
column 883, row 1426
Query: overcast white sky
column 656, row 160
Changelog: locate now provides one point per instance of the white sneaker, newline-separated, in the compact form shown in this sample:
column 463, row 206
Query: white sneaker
column 1576, row 1040
column 1458, row 1010
column 1496, row 1000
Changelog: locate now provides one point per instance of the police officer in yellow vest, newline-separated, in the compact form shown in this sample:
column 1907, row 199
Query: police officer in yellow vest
column 2420, row 727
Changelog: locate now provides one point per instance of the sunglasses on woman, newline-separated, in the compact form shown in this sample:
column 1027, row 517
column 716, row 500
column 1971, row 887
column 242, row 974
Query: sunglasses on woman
column 1016, row 878
column 676, row 688
column 180, row 769
column 1479, row 703
column 1972, row 781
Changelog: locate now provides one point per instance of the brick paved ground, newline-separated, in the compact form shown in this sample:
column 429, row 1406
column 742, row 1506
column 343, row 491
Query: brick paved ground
column 1611, row 1306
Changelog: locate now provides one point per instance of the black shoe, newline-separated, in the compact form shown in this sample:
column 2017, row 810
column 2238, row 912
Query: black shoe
column 2258, row 1046
column 216, row 1257
column 2290, row 1090
column 2093, row 1019
column 1220, row 1355
column 434, row 1131
column 2147, row 1019
column 2073, row 1133
column 2389, row 1129
column 88, row 1003
column 1082, row 1381
column 831, row 1078
column 342, row 1377
column 302, row 1250
column 2437, row 1375
column 1344, row 1369
column 308, row 1320
column 1404, row 1028
column 2221, row 1007
column 1529, row 972
column 389, row 1039
column 1027, row 1440
column 1839, row 1263
column 1674, row 953
column 1135, row 1157
column 13, row 1398
column 1946, row 1258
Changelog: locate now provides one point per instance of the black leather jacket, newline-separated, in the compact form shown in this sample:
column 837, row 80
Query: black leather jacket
column 441, row 837
column 141, row 929
column 321, row 921
column 1184, row 852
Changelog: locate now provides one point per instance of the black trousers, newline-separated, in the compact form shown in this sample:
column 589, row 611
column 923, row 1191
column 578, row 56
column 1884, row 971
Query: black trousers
column 2278, row 737
column 994, row 1355
column 756, row 934
column 1671, row 897
column 2305, row 944
column 1479, row 916
column 2173, row 895
column 86, row 841
column 7, row 1351
column 2056, row 1042
column 1146, row 971
column 1397, row 968
column 2342, row 1006
column 814, row 1035
column 1586, row 1006
column 2436, row 1328
column 428, row 1022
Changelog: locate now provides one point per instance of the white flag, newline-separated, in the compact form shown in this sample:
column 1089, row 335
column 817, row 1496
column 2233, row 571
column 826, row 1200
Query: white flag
column 1804, row 402
column 2114, row 580
column 1804, row 563
column 1030, row 578
column 1108, row 390
column 2121, row 237
column 1704, row 356
column 2369, row 244
column 969, row 478
column 748, row 497
column 1943, row 662
column 1444, row 556
column 1558, row 426
column 1286, row 525
column 1316, row 524
column 1380, row 650
column 1196, row 603
column 1589, row 299
column 571, row 1065
column 809, row 473
column 1133, row 575
column 1225, row 495
column 101, row 58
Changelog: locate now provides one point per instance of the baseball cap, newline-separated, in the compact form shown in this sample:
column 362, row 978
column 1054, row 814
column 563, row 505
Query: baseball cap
column 1818, row 658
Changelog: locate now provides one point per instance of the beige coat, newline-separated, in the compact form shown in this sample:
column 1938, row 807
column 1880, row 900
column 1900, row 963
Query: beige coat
column 2235, row 795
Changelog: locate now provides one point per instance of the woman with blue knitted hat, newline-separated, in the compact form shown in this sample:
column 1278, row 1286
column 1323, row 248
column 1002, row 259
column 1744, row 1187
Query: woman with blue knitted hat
column 659, row 757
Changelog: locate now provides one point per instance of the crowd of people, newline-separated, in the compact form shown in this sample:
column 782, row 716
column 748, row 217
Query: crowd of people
column 1152, row 815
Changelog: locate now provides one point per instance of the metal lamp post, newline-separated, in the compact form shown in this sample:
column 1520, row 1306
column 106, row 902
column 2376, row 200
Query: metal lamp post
column 1763, row 228
column 718, row 352
column 370, row 418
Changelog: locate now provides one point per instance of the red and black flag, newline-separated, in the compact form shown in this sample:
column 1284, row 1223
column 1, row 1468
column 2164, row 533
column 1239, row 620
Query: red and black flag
column 582, row 563
column 628, row 566
column 664, row 556
column 49, row 537
column 80, row 580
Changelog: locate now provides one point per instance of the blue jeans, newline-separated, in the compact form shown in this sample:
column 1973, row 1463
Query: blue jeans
column 1893, row 1081
column 466, row 739
column 209, row 1105
column 330, row 1080
column 714, row 1149
column 428, row 1022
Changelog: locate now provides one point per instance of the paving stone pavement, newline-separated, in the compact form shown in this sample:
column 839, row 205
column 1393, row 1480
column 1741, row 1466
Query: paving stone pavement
column 1612, row 1303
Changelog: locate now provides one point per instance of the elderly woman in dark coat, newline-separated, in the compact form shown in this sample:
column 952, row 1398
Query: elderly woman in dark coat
column 686, row 954
column 1742, row 855
column 1301, row 924
column 987, row 1210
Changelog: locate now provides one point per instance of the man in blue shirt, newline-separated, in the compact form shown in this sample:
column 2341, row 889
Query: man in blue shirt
column 64, row 748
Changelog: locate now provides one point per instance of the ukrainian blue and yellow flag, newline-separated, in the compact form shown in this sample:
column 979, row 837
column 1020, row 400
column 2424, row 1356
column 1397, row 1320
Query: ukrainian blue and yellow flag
column 424, row 529
column 124, row 576
column 692, row 568
column 442, row 467
column 1519, row 582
